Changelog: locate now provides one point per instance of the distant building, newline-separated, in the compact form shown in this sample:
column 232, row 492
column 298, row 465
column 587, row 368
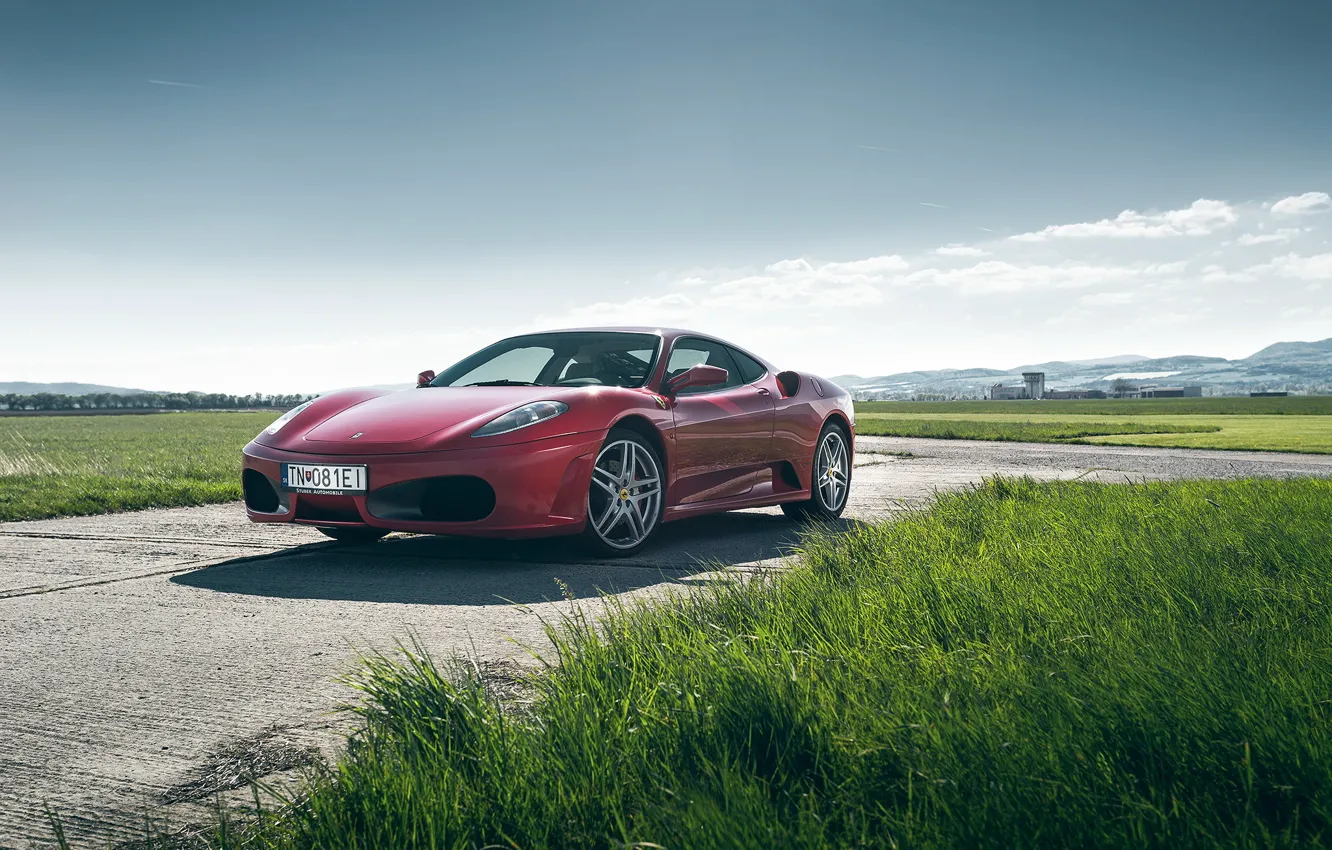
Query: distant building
column 1035, row 384
column 1066, row 395
column 1170, row 392
column 1269, row 394
column 1033, row 387
column 999, row 392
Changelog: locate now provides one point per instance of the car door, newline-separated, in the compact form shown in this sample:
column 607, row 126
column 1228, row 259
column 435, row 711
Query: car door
column 722, row 433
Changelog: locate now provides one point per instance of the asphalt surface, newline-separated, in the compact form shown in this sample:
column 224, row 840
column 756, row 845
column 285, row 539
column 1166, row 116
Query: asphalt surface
column 144, row 656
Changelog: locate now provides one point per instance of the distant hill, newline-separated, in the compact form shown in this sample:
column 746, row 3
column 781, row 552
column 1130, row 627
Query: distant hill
column 1295, row 352
column 64, row 388
column 1292, row 366
column 1117, row 360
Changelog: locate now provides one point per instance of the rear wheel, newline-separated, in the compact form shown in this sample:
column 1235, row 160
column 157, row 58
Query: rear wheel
column 830, row 482
column 625, row 497
column 354, row 535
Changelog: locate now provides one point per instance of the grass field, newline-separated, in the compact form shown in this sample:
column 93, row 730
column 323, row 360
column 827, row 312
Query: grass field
column 1228, row 406
column 70, row 465
column 1294, row 433
column 1292, row 424
column 1061, row 664
column 1026, row 431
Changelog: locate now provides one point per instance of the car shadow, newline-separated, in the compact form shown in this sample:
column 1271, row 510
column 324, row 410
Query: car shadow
column 431, row 570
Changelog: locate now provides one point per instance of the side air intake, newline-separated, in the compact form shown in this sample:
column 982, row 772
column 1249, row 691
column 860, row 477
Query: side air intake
column 260, row 496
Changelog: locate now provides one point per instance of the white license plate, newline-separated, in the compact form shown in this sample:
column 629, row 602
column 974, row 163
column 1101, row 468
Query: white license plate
column 323, row 479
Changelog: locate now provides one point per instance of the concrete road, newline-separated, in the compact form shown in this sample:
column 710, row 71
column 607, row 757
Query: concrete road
column 147, row 658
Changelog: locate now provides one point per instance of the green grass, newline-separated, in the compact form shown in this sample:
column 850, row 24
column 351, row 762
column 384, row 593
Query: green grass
column 1225, row 406
column 1304, row 433
column 71, row 465
column 1026, row 432
column 1062, row 664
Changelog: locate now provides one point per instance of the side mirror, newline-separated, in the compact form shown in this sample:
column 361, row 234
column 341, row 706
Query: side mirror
column 697, row 376
column 425, row 378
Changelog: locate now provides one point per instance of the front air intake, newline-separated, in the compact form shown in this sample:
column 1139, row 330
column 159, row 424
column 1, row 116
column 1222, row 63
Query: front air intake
column 450, row 498
column 260, row 496
column 458, row 498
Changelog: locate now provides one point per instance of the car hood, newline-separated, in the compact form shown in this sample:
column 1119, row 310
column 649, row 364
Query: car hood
column 424, row 418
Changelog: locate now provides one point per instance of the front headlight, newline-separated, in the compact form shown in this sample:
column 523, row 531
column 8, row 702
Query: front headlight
column 286, row 417
column 528, row 414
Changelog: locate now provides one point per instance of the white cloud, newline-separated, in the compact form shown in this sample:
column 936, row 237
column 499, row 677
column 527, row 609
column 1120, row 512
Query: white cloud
column 1220, row 274
column 1293, row 266
column 782, row 285
column 872, row 267
column 1001, row 276
column 1284, row 234
column 1289, row 266
column 958, row 250
column 1098, row 299
column 766, row 293
column 1306, row 204
column 668, row 309
column 1201, row 218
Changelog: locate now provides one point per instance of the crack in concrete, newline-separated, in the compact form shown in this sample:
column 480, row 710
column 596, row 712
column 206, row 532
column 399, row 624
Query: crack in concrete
column 185, row 567
column 51, row 535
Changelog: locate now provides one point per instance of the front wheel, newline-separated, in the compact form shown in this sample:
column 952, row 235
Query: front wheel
column 625, row 497
column 830, row 482
column 344, row 534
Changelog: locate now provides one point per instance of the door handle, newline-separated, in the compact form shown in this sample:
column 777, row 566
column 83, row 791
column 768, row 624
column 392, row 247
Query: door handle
column 764, row 391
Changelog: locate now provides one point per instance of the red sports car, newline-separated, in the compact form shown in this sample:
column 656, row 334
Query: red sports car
column 605, row 432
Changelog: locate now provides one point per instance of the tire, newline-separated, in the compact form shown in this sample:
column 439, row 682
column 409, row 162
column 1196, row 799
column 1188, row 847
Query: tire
column 625, row 496
column 828, row 493
column 352, row 536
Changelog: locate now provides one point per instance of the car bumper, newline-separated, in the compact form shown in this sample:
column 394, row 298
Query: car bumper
column 540, row 488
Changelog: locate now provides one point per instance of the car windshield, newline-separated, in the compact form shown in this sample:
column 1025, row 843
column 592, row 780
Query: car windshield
column 569, row 359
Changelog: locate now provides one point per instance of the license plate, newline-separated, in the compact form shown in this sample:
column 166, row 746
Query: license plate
column 323, row 479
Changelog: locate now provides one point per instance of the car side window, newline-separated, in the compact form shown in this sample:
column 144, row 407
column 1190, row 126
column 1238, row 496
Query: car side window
column 750, row 369
column 702, row 352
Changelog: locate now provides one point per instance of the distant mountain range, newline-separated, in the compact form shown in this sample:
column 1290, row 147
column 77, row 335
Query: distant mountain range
column 66, row 388
column 1292, row 366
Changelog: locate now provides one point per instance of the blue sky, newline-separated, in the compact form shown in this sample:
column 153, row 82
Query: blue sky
column 337, row 193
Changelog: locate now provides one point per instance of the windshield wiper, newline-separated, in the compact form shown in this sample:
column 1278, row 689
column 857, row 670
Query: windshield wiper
column 504, row 383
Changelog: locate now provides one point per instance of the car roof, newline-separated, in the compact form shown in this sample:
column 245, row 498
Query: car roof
column 667, row 334
column 635, row 329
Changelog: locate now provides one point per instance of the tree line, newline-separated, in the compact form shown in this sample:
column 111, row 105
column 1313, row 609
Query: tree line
column 147, row 401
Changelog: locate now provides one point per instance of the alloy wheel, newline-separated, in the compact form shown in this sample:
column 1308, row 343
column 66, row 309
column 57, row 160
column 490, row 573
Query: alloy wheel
column 831, row 470
column 624, row 501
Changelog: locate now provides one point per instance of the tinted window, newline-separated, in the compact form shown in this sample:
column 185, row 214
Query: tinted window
column 573, row 359
column 750, row 369
column 696, row 352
